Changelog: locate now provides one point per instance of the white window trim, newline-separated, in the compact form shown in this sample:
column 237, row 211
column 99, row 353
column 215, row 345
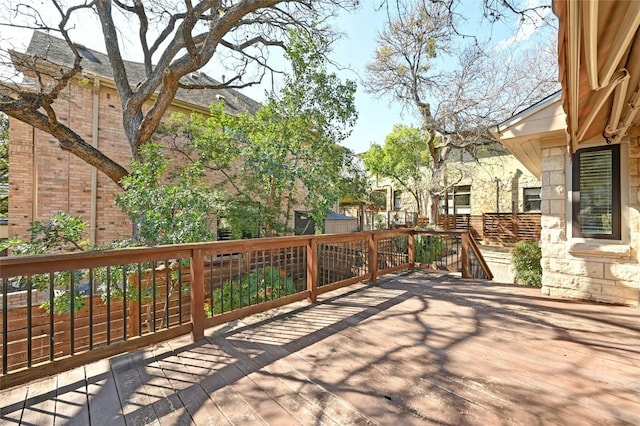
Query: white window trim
column 597, row 247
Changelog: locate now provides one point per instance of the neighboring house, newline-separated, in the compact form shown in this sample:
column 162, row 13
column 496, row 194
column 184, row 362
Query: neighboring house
column 45, row 179
column 491, row 180
column 585, row 146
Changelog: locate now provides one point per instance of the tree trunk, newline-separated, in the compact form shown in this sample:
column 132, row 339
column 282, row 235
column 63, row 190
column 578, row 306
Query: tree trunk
column 433, row 211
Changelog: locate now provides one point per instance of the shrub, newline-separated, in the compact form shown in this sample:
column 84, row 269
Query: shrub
column 259, row 286
column 525, row 258
column 428, row 248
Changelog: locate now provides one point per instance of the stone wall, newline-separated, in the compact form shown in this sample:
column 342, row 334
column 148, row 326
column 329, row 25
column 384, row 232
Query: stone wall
column 497, row 185
column 501, row 178
column 592, row 270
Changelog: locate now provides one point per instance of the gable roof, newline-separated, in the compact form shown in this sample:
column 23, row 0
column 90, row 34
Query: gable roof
column 523, row 133
column 55, row 51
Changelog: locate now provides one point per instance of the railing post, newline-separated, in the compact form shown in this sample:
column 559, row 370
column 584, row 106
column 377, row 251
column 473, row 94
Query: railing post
column 412, row 253
column 312, row 269
column 466, row 269
column 197, row 295
column 373, row 257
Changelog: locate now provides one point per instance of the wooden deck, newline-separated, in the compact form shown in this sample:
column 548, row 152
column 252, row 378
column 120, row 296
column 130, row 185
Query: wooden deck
column 417, row 348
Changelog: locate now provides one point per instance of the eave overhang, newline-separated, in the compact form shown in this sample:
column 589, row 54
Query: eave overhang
column 599, row 68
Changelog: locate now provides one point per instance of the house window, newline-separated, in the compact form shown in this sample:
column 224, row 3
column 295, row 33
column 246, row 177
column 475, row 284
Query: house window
column 596, row 193
column 397, row 200
column 459, row 200
column 531, row 198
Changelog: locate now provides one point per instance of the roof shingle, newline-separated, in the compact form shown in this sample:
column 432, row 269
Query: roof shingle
column 56, row 51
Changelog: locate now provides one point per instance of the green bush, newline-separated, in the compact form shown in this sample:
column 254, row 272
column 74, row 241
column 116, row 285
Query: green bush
column 525, row 258
column 259, row 286
column 428, row 248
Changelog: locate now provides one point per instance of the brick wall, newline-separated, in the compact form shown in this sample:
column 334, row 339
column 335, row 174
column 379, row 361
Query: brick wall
column 44, row 179
column 58, row 180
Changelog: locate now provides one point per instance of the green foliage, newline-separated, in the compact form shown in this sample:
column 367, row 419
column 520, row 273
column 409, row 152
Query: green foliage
column 428, row 248
column 167, row 208
column 404, row 154
column 525, row 258
column 403, row 159
column 378, row 200
column 285, row 155
column 259, row 286
column 62, row 232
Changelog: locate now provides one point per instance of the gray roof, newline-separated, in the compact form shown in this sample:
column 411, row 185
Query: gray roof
column 339, row 216
column 56, row 50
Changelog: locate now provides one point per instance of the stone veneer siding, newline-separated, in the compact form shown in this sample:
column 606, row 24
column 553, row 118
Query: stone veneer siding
column 593, row 275
column 513, row 179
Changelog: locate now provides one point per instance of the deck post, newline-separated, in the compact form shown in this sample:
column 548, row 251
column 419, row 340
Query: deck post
column 373, row 257
column 312, row 269
column 197, row 295
column 412, row 254
column 466, row 270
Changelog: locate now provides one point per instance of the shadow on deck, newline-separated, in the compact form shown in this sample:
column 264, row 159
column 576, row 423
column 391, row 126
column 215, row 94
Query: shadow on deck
column 416, row 348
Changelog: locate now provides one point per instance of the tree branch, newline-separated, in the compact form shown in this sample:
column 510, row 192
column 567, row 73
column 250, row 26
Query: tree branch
column 69, row 140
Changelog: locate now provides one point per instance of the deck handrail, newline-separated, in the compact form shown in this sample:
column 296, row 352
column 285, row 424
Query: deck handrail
column 125, row 299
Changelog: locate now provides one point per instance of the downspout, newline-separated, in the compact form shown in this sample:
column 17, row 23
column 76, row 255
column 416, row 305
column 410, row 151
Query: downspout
column 497, row 195
column 34, row 177
column 94, row 172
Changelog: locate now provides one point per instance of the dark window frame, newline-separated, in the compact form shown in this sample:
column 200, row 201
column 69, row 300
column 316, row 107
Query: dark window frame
column 526, row 200
column 455, row 194
column 616, row 214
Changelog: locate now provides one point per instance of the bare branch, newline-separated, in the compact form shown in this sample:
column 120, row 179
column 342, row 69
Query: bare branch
column 175, row 39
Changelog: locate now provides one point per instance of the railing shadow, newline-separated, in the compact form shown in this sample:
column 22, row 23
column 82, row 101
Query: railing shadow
column 428, row 318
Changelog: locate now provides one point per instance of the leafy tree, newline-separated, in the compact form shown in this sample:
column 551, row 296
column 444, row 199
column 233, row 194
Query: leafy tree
column 285, row 155
column 174, row 39
column 473, row 88
column 167, row 208
column 404, row 159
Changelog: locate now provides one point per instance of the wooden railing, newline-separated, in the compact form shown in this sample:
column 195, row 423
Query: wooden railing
column 110, row 302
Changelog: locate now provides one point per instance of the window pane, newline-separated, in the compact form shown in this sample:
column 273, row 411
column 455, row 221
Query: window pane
column 397, row 200
column 531, row 199
column 596, row 197
column 462, row 199
column 596, row 193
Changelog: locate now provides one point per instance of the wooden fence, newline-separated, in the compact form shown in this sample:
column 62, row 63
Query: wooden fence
column 496, row 228
column 110, row 302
